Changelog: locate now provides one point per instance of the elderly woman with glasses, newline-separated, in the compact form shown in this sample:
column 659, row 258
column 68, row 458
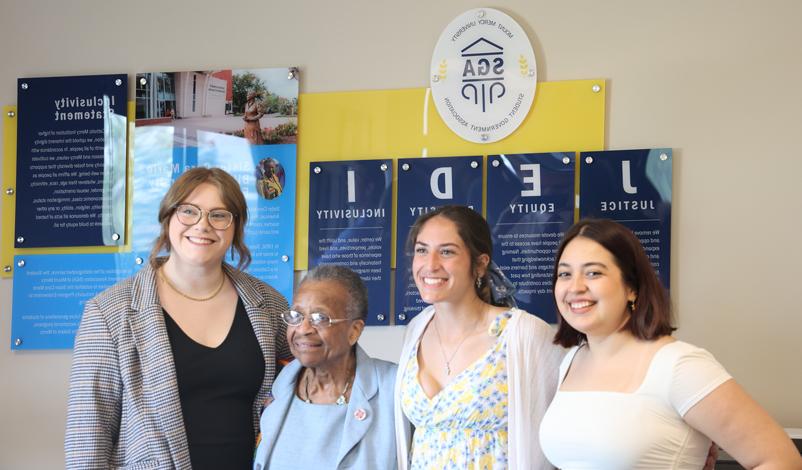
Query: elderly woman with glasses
column 332, row 406
column 172, row 366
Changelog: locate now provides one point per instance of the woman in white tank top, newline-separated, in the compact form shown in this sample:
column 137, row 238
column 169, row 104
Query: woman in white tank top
column 630, row 395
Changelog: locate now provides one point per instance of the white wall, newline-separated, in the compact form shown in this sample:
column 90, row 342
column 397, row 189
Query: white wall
column 717, row 80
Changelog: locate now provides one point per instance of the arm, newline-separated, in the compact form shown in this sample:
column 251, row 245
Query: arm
column 93, row 410
column 730, row 417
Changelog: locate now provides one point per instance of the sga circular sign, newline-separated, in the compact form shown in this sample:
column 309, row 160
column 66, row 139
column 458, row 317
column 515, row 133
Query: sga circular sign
column 483, row 75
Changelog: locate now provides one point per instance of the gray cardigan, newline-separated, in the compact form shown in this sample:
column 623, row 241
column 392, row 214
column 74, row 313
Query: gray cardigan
column 366, row 443
column 124, row 409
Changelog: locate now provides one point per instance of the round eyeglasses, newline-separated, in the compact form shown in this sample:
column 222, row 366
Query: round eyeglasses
column 316, row 319
column 190, row 214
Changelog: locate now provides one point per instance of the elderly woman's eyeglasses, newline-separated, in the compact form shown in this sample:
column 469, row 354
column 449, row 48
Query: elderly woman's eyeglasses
column 190, row 214
column 316, row 319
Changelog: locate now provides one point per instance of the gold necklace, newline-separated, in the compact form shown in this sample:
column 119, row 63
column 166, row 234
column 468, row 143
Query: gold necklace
column 443, row 350
column 185, row 295
column 340, row 400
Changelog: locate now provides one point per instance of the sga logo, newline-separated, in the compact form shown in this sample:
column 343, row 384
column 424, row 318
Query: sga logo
column 484, row 75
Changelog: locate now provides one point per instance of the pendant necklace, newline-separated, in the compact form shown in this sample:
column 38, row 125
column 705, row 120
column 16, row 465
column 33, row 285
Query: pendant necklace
column 340, row 400
column 443, row 350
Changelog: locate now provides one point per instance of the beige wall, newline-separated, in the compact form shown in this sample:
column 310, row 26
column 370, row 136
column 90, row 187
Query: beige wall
column 719, row 81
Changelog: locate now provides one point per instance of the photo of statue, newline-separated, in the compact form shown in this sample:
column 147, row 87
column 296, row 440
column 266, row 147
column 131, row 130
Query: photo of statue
column 253, row 112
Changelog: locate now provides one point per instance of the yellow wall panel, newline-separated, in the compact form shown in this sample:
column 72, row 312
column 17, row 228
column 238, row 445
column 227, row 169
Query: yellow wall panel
column 9, row 180
column 566, row 116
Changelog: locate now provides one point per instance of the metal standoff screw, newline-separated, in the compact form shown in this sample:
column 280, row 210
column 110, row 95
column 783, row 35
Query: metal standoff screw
column 10, row 191
column 138, row 260
column 380, row 317
column 402, row 317
column 21, row 263
column 405, row 166
column 115, row 236
column 20, row 239
column 143, row 81
column 317, row 170
column 663, row 157
column 24, row 86
column 18, row 342
column 480, row 14
column 383, row 167
column 436, row 78
column 566, row 160
column 531, row 72
column 596, row 88
column 495, row 163
column 474, row 164
column 118, row 82
column 7, row 268
column 11, row 114
column 588, row 160
column 485, row 137
column 285, row 258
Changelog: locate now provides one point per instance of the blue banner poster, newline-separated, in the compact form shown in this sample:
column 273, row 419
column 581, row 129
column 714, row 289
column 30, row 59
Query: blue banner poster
column 632, row 187
column 425, row 184
column 350, row 214
column 530, row 205
column 50, row 292
column 243, row 121
column 71, row 151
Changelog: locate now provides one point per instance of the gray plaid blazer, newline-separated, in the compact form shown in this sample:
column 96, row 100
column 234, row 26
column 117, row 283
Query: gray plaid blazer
column 124, row 410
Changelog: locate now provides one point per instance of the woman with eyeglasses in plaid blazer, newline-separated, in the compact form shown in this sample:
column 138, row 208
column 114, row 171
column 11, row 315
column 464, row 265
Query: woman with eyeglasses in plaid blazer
column 171, row 366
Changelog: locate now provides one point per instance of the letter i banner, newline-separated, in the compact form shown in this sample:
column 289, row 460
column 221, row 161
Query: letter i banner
column 425, row 184
column 350, row 216
column 530, row 205
column 632, row 187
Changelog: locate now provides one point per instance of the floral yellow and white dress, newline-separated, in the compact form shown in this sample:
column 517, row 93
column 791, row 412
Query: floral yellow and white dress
column 465, row 425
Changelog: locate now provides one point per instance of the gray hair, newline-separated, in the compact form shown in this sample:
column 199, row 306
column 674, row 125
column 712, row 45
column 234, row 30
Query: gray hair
column 357, row 307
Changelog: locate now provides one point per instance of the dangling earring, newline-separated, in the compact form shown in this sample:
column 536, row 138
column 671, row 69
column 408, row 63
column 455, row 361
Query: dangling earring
column 631, row 304
column 478, row 282
column 232, row 252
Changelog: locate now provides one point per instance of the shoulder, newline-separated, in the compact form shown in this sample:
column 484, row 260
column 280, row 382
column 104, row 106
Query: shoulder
column 422, row 318
column 524, row 324
column 687, row 373
column 120, row 293
column 678, row 352
column 531, row 343
column 385, row 370
column 256, row 291
column 113, row 302
column 285, row 380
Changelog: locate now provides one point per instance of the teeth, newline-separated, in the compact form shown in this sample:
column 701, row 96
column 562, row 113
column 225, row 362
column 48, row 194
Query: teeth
column 431, row 281
column 201, row 241
column 583, row 304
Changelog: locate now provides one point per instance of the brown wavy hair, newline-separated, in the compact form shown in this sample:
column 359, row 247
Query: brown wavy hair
column 472, row 230
column 232, row 197
column 651, row 317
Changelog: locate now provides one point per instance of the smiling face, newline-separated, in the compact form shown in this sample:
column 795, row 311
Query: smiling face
column 328, row 345
column 200, row 244
column 441, row 263
column 590, row 292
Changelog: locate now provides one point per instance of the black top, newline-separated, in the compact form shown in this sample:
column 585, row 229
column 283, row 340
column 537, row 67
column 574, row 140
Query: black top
column 218, row 387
